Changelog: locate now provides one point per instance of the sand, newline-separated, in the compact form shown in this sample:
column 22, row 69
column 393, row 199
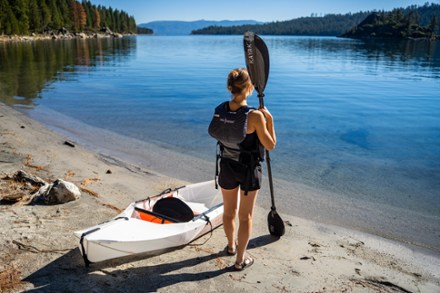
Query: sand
column 38, row 252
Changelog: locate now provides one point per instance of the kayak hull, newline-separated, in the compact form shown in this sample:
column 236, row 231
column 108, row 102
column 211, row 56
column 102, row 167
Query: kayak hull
column 129, row 233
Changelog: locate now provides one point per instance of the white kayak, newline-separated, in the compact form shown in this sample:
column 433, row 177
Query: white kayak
column 170, row 219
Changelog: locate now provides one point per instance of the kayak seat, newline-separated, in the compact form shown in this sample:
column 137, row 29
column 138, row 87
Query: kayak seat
column 173, row 208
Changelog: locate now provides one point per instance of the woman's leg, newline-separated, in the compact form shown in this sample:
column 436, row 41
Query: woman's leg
column 230, row 202
column 245, row 214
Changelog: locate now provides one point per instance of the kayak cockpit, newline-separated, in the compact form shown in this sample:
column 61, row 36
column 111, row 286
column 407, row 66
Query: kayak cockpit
column 168, row 208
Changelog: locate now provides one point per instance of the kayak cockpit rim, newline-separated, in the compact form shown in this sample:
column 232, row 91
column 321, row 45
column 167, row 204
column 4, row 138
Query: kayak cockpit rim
column 166, row 191
column 203, row 215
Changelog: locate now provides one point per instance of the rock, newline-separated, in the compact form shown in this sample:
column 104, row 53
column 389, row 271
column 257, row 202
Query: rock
column 69, row 143
column 61, row 192
column 63, row 31
column 106, row 30
column 81, row 35
column 58, row 192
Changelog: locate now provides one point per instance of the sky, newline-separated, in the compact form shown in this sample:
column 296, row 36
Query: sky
column 261, row 10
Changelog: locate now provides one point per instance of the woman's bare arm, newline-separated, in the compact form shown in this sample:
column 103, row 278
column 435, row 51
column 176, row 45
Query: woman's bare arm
column 261, row 121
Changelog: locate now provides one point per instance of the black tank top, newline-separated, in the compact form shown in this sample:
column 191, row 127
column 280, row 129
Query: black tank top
column 250, row 142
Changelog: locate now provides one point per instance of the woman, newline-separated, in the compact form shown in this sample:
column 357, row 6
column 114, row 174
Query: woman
column 242, row 179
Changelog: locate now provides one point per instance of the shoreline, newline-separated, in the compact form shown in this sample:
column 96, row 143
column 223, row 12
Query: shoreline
column 60, row 36
column 292, row 198
column 310, row 257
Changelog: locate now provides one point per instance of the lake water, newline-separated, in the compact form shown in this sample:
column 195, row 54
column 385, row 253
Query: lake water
column 358, row 119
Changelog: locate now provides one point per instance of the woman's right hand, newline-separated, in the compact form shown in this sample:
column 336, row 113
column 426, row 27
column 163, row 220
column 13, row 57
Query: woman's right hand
column 266, row 114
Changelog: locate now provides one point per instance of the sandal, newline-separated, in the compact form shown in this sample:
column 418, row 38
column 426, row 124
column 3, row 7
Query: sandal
column 248, row 261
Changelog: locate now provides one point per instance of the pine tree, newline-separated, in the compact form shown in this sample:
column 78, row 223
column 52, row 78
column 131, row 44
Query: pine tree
column 57, row 19
column 20, row 10
column 79, row 18
column 34, row 16
column 11, row 25
column 89, row 15
column 109, row 19
column 116, row 22
column 82, row 17
column 3, row 4
column 96, row 19
column 132, row 25
column 46, row 15
column 63, row 6
column 433, row 26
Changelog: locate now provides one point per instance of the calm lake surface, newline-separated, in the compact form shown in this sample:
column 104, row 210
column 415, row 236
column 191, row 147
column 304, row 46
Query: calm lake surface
column 357, row 118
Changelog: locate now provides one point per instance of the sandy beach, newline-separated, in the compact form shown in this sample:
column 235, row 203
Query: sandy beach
column 38, row 252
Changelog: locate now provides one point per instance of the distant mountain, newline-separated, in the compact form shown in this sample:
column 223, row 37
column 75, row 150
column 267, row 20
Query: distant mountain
column 171, row 27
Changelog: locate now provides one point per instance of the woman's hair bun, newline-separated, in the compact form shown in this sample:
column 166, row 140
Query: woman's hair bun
column 238, row 80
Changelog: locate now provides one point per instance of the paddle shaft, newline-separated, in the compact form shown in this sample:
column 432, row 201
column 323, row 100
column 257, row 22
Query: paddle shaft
column 269, row 169
column 269, row 174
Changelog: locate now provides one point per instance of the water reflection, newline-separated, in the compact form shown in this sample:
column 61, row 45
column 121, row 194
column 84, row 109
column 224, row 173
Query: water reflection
column 26, row 68
column 392, row 53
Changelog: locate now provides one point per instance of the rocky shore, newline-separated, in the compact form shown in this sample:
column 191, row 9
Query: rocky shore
column 62, row 34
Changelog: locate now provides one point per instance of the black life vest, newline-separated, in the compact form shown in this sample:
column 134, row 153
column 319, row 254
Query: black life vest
column 229, row 128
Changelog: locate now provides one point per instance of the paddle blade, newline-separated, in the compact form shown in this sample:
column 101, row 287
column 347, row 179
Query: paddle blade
column 275, row 224
column 257, row 60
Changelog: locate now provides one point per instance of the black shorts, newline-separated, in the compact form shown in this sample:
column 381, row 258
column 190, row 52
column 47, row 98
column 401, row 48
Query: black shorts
column 233, row 174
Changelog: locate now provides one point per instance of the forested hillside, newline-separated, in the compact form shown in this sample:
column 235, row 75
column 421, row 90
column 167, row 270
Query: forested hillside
column 329, row 25
column 399, row 23
column 23, row 17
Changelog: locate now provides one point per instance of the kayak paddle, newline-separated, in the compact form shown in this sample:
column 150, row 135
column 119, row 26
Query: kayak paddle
column 257, row 63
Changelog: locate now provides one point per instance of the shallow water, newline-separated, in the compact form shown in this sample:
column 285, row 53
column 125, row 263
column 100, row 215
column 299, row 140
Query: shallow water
column 358, row 119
